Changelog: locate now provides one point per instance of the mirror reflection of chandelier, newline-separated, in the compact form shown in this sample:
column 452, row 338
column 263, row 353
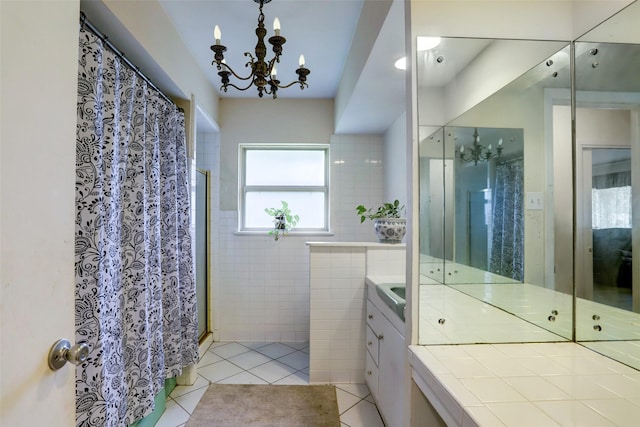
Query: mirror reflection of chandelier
column 477, row 153
column 263, row 72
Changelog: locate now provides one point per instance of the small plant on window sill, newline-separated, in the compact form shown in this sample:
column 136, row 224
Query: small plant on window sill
column 283, row 220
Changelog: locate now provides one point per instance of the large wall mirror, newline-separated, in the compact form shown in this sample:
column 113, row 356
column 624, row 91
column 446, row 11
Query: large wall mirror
column 607, row 81
column 497, row 200
column 486, row 186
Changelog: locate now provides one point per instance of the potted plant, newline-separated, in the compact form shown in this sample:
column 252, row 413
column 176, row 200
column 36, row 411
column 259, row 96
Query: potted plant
column 283, row 220
column 387, row 221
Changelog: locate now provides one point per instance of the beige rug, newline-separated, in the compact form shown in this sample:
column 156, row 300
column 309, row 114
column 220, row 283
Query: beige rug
column 232, row 405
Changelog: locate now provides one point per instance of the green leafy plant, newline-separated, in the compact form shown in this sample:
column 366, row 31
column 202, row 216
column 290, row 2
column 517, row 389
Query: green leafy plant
column 283, row 220
column 387, row 210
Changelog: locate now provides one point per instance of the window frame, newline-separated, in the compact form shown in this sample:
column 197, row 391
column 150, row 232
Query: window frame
column 243, row 188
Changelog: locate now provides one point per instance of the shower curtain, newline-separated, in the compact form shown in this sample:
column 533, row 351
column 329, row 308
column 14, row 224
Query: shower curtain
column 135, row 288
column 507, row 244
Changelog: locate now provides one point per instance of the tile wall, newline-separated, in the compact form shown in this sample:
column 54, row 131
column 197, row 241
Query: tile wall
column 261, row 287
column 339, row 306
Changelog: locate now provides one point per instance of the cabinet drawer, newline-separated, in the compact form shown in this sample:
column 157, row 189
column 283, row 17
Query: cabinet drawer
column 374, row 317
column 373, row 345
column 371, row 375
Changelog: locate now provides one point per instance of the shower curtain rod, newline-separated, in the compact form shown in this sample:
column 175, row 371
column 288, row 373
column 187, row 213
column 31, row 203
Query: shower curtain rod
column 85, row 23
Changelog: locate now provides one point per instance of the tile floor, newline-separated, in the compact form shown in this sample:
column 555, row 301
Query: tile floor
column 264, row 363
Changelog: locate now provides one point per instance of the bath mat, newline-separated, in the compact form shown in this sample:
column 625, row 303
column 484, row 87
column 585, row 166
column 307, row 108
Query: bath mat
column 235, row 405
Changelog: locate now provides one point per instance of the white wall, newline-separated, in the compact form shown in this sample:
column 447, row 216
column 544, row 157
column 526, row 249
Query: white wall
column 308, row 121
column 395, row 161
column 261, row 287
column 144, row 32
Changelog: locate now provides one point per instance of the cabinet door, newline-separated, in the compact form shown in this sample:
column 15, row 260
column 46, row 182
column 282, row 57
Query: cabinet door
column 373, row 344
column 371, row 375
column 391, row 374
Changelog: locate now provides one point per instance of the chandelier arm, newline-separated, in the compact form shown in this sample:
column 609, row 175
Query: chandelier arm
column 239, row 88
column 292, row 83
column 228, row 68
column 271, row 64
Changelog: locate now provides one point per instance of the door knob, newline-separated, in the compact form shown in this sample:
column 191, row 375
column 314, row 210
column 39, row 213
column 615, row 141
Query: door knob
column 62, row 352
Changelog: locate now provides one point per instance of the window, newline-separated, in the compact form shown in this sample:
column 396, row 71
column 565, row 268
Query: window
column 297, row 174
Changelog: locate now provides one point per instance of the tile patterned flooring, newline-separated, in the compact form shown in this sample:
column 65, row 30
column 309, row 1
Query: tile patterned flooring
column 264, row 363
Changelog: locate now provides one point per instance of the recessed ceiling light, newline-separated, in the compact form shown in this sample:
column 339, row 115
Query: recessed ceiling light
column 426, row 43
column 401, row 64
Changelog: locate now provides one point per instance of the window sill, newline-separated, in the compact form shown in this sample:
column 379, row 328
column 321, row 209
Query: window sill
column 289, row 234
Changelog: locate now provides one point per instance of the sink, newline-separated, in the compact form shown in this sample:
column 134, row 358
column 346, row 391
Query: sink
column 400, row 291
column 393, row 295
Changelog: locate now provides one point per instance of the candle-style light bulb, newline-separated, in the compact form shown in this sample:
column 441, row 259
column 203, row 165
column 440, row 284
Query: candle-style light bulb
column 489, row 147
column 500, row 142
column 274, row 72
column 217, row 34
column 461, row 149
column 276, row 26
column 301, row 61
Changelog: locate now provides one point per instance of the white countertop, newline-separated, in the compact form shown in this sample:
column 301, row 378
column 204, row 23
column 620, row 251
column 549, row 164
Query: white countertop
column 356, row 244
column 536, row 384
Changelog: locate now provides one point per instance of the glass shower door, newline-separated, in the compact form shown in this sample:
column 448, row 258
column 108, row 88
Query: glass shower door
column 202, row 250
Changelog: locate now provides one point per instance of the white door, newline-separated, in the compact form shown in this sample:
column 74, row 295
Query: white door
column 37, row 175
column 584, row 236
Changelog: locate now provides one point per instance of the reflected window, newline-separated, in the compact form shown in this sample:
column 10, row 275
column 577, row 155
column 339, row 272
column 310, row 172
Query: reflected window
column 611, row 207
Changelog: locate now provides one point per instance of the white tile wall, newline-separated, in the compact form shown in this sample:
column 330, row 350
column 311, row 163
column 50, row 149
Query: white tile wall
column 260, row 288
column 339, row 304
column 338, row 309
column 387, row 262
column 356, row 178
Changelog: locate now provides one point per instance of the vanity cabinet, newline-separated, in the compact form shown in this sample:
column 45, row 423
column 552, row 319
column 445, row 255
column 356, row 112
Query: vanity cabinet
column 385, row 365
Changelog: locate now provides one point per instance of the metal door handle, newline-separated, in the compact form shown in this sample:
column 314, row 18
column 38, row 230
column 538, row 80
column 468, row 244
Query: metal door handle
column 62, row 352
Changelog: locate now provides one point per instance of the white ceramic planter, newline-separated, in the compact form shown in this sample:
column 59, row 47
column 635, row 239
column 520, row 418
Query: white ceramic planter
column 390, row 230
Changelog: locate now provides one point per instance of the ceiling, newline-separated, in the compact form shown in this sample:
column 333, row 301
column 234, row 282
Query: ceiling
column 322, row 30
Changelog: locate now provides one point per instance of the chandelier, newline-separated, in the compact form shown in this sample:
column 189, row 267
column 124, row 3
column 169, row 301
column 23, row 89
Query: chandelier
column 263, row 72
column 477, row 153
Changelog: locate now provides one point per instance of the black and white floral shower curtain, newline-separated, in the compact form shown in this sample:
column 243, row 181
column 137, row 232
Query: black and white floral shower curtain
column 507, row 243
column 135, row 288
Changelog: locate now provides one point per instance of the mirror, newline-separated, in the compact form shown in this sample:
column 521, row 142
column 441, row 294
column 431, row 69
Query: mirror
column 488, row 186
column 607, row 67
column 487, row 91
column 490, row 171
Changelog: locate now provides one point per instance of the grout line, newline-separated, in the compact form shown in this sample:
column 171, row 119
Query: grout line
column 353, row 394
column 294, row 372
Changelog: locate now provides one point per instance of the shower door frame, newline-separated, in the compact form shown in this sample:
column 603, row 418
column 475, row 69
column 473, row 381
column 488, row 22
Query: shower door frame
column 207, row 175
